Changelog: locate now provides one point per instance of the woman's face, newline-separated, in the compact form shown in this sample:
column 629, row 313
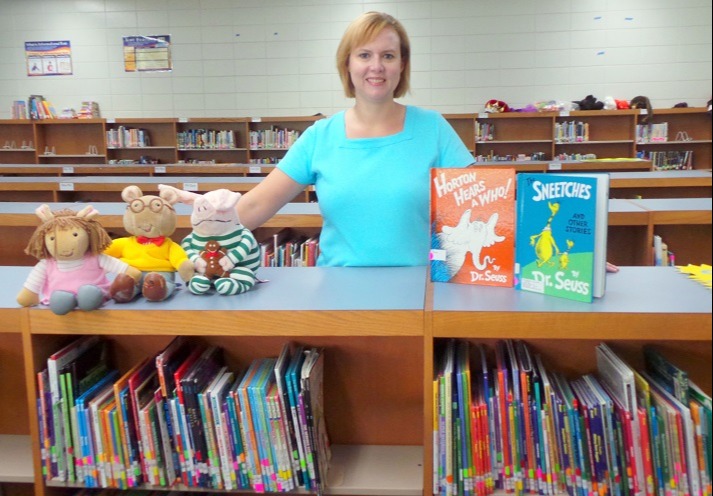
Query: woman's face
column 375, row 67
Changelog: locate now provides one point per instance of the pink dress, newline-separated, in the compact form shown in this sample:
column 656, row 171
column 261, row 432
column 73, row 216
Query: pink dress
column 89, row 272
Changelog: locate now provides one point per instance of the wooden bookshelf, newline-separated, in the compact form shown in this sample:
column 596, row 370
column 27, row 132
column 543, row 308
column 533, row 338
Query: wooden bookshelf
column 158, row 145
column 17, row 142
column 642, row 305
column 611, row 135
column 378, row 409
column 689, row 129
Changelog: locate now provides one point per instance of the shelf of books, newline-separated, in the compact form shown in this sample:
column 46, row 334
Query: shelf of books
column 540, row 388
column 669, row 138
column 141, row 141
column 675, row 139
column 213, row 141
column 270, row 137
column 382, row 434
column 359, row 411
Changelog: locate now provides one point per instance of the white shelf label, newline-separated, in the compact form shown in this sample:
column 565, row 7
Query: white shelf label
column 183, row 119
column 255, row 169
column 190, row 186
column 256, row 119
column 68, row 170
column 66, row 186
column 111, row 121
column 554, row 166
column 643, row 111
column 564, row 113
column 484, row 115
column 160, row 169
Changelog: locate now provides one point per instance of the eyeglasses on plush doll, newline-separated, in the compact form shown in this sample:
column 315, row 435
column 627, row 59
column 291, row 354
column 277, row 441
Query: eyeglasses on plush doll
column 72, row 270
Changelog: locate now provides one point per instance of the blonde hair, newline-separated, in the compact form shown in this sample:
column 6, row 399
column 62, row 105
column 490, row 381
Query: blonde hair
column 364, row 29
column 67, row 219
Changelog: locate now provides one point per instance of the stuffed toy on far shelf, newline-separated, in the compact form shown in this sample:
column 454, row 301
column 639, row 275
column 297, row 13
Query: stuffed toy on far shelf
column 72, row 270
column 150, row 220
column 589, row 103
column 215, row 218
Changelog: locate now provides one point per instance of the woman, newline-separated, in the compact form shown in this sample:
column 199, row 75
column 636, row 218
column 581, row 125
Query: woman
column 369, row 164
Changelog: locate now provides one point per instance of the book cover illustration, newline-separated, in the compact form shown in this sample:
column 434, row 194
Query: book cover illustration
column 472, row 225
column 560, row 243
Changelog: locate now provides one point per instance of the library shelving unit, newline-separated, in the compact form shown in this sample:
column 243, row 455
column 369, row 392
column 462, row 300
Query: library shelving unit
column 642, row 305
column 610, row 133
column 234, row 151
column 689, row 130
column 17, row 142
column 512, row 137
column 515, row 134
column 70, row 141
column 379, row 343
column 148, row 141
column 373, row 343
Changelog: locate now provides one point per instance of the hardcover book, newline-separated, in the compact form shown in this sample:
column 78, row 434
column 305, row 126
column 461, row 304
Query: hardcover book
column 472, row 225
column 561, row 234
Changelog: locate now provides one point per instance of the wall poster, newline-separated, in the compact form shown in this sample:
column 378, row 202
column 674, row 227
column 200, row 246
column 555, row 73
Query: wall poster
column 147, row 53
column 48, row 58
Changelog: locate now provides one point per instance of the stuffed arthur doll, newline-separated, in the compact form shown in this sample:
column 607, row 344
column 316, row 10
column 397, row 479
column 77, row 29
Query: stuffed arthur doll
column 150, row 220
column 215, row 218
column 72, row 270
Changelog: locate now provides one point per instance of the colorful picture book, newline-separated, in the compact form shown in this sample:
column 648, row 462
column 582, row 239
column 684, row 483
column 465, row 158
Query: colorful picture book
column 561, row 234
column 472, row 225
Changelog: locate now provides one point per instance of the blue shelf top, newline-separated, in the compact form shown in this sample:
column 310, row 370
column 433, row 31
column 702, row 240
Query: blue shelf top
column 631, row 290
column 287, row 288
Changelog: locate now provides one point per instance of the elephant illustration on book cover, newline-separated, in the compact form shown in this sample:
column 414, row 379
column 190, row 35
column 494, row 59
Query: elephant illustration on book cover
column 472, row 217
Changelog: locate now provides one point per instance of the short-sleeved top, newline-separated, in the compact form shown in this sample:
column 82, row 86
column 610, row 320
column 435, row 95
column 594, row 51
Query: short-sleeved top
column 373, row 193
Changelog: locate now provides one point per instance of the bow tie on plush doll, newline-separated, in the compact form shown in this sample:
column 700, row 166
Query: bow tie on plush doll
column 145, row 240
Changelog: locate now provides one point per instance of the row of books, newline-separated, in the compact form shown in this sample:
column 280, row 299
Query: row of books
column 273, row 138
column 571, row 132
column 288, row 249
column 514, row 425
column 183, row 417
column 39, row 108
column 652, row 133
column 484, row 131
column 127, row 137
column 89, row 110
column 206, row 139
column 550, row 238
column 669, row 160
column 522, row 157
